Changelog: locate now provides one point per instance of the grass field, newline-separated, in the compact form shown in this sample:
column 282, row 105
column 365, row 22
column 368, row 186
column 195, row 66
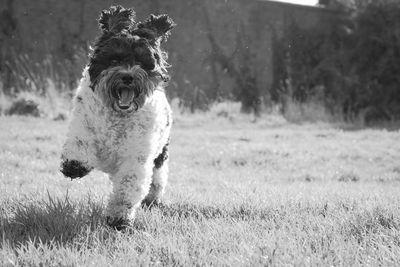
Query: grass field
column 241, row 193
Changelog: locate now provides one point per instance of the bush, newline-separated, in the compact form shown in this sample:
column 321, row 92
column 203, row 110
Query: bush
column 356, row 63
column 23, row 106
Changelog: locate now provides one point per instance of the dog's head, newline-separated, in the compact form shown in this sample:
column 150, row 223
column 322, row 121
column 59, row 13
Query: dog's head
column 127, row 62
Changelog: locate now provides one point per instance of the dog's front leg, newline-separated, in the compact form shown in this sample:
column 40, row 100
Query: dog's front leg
column 75, row 156
column 130, row 185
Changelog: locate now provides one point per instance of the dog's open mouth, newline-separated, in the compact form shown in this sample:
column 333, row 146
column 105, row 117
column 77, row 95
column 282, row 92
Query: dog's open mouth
column 125, row 99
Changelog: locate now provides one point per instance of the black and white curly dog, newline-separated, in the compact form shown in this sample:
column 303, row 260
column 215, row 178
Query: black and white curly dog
column 121, row 119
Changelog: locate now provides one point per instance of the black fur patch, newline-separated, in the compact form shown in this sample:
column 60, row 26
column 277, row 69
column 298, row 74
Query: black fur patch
column 155, row 27
column 74, row 169
column 159, row 161
column 121, row 51
column 116, row 19
column 125, row 43
column 168, row 119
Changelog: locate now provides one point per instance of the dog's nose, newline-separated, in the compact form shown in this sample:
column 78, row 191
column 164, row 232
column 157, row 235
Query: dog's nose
column 127, row 79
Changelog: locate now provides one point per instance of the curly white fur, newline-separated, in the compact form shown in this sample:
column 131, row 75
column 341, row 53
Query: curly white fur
column 122, row 146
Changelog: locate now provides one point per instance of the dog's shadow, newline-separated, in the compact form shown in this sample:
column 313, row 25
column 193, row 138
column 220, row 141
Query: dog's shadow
column 63, row 221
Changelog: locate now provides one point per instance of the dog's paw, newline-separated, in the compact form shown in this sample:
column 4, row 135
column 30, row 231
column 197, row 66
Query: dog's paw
column 118, row 223
column 150, row 203
column 74, row 168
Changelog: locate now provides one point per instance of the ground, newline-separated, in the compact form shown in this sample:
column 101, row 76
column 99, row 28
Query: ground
column 241, row 192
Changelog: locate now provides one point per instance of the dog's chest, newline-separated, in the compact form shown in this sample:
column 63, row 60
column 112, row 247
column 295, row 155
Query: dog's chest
column 118, row 139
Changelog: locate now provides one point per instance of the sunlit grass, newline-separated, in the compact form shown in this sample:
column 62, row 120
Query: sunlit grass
column 241, row 192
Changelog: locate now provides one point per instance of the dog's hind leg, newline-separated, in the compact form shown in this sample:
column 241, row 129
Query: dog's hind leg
column 159, row 179
column 157, row 187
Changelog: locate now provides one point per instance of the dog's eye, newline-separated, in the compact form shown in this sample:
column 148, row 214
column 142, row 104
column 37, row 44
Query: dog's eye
column 115, row 61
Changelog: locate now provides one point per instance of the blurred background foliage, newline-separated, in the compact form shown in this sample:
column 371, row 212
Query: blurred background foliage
column 343, row 55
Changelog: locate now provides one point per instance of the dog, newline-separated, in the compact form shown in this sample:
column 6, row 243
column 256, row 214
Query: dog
column 121, row 119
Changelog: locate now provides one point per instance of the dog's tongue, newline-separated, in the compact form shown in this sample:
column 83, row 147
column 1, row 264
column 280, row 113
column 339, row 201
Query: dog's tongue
column 124, row 97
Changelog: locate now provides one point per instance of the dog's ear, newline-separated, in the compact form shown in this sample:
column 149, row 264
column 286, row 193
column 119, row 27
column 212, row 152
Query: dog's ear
column 155, row 27
column 116, row 19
